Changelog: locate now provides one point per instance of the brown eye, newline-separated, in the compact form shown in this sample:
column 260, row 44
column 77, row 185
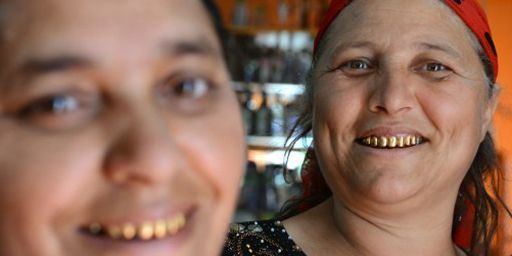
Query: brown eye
column 53, row 105
column 434, row 70
column 357, row 67
column 60, row 111
column 187, row 95
column 193, row 88
column 357, row 64
column 435, row 67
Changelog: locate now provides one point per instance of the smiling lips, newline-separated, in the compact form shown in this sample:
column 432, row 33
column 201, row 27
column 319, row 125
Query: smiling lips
column 390, row 142
column 156, row 229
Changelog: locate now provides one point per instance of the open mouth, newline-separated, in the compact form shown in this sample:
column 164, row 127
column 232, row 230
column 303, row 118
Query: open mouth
column 391, row 142
column 145, row 231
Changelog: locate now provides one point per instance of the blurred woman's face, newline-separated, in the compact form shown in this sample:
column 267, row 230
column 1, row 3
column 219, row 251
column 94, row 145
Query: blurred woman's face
column 401, row 103
column 119, row 131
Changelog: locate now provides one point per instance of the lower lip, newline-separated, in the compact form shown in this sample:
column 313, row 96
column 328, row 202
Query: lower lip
column 165, row 246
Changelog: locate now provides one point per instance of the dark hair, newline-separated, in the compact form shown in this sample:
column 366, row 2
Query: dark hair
column 479, row 188
column 216, row 18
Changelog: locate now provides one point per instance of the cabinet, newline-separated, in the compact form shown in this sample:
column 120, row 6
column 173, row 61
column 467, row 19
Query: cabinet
column 270, row 43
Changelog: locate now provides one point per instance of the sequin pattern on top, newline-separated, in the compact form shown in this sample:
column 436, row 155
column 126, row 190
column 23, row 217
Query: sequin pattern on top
column 260, row 238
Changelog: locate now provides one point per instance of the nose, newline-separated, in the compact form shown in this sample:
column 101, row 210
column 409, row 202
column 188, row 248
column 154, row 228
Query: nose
column 143, row 152
column 391, row 94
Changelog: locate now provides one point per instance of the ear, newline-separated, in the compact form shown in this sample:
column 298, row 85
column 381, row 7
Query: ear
column 490, row 109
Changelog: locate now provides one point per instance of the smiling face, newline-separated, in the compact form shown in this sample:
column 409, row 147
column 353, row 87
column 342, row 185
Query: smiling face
column 119, row 131
column 401, row 103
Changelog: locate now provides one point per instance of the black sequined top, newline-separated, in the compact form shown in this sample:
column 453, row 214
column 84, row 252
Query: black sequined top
column 260, row 238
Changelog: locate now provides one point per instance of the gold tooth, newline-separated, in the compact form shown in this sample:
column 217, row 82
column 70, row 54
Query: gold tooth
column 129, row 231
column 392, row 141
column 95, row 228
column 367, row 141
column 114, row 232
column 172, row 226
column 175, row 224
column 160, row 229
column 383, row 142
column 375, row 141
column 413, row 141
column 145, row 231
column 401, row 141
column 181, row 221
column 408, row 140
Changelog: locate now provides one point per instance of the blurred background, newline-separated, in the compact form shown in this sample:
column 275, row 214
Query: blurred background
column 270, row 47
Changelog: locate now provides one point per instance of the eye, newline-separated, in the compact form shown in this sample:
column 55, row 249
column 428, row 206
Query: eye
column 187, row 95
column 435, row 67
column 356, row 67
column 53, row 105
column 357, row 64
column 434, row 70
column 193, row 88
column 59, row 111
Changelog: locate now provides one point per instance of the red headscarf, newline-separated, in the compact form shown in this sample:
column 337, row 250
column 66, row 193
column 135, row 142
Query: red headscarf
column 472, row 14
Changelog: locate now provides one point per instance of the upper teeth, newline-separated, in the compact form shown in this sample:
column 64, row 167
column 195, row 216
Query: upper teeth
column 147, row 230
column 392, row 141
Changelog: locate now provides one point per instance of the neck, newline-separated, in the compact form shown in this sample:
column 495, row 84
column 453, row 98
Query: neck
column 347, row 232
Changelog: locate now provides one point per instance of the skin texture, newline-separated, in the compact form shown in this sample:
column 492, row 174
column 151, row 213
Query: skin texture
column 390, row 68
column 114, row 112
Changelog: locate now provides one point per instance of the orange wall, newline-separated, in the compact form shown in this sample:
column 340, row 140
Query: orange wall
column 500, row 17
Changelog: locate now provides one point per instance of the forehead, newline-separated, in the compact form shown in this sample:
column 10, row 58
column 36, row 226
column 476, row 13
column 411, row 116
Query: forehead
column 50, row 25
column 393, row 20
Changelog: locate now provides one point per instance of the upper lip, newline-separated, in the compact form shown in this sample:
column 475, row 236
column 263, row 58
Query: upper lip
column 389, row 131
column 141, row 216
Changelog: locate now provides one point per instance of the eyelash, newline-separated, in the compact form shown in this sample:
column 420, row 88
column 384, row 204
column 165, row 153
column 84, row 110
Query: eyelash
column 355, row 67
column 59, row 111
column 184, row 87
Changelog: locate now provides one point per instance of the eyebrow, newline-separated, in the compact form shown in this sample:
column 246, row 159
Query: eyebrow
column 199, row 46
column 173, row 49
column 36, row 66
column 439, row 47
column 345, row 45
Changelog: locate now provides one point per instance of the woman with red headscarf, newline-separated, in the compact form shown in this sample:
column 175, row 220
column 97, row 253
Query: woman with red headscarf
column 399, row 101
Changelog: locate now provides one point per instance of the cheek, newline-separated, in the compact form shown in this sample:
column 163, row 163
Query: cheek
column 42, row 182
column 215, row 147
column 457, row 115
column 336, row 113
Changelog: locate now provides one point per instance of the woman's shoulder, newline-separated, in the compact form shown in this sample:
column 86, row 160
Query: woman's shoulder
column 260, row 238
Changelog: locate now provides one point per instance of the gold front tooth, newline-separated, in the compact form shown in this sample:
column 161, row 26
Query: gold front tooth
column 114, row 232
column 181, row 221
column 129, row 231
column 175, row 224
column 160, row 229
column 145, row 231
column 172, row 226
column 383, row 142
column 401, row 141
column 375, row 141
column 408, row 140
column 95, row 228
column 392, row 141
column 413, row 141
